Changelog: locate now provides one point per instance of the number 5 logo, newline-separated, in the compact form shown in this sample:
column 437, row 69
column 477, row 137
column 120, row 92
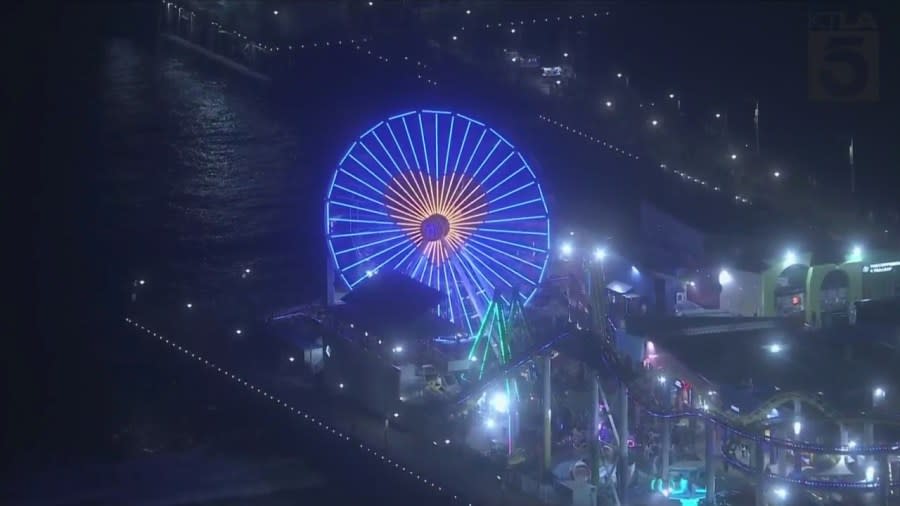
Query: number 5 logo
column 843, row 58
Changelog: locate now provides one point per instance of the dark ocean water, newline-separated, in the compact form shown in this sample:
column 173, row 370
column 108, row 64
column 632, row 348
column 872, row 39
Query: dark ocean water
column 156, row 164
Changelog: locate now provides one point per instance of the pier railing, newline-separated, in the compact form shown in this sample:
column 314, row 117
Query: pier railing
column 199, row 29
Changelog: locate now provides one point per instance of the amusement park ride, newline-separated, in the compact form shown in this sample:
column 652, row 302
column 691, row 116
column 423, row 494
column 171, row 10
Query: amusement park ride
column 448, row 201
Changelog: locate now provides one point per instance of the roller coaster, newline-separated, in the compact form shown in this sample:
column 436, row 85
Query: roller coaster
column 734, row 425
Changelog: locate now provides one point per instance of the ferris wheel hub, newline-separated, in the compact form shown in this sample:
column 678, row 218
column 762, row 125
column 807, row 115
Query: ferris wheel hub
column 435, row 228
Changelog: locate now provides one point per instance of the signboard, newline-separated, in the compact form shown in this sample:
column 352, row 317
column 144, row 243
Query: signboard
column 551, row 71
column 882, row 267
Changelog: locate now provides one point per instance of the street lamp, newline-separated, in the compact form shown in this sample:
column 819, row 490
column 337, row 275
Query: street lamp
column 725, row 277
column 718, row 115
column 599, row 254
column 654, row 122
column 776, row 348
column 733, row 156
column 797, row 428
column 275, row 12
column 856, row 254
column 565, row 55
column 878, row 395
column 468, row 11
column 671, row 95
column 780, row 493
column 790, row 258
column 567, row 249
column 609, row 104
column 500, row 402
column 777, row 174
column 454, row 37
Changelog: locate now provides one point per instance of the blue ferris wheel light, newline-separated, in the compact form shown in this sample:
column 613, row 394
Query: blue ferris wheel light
column 446, row 200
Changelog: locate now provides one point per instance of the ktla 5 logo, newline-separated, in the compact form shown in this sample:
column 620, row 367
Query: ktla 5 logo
column 843, row 57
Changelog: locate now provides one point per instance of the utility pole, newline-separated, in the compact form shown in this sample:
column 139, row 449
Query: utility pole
column 622, row 465
column 547, row 414
column 756, row 126
column 852, row 169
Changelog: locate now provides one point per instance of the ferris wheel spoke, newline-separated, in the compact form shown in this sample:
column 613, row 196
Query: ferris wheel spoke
column 416, row 211
column 507, row 178
column 385, row 149
column 412, row 146
column 459, row 296
column 486, row 158
column 477, row 255
column 424, row 261
column 447, row 287
column 472, row 244
column 474, row 274
column 474, row 151
column 366, row 167
column 372, row 155
column 358, row 208
column 512, row 192
column 513, row 206
column 493, row 287
column 397, row 143
column 424, row 145
column 437, row 151
column 355, row 220
column 510, row 231
column 409, row 246
column 449, row 146
column 510, row 243
column 430, row 273
column 362, row 182
column 494, row 171
column 510, row 220
column 429, row 190
column 369, row 245
column 374, row 255
column 402, row 260
column 360, row 195
column 412, row 190
column 462, row 147
column 365, row 233
column 465, row 209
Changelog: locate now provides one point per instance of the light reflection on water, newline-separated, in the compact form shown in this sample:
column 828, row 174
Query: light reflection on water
column 206, row 183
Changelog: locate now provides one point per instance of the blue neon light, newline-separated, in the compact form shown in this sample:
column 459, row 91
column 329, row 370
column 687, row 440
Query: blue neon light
column 371, row 216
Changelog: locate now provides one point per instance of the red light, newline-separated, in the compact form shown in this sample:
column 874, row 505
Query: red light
column 795, row 300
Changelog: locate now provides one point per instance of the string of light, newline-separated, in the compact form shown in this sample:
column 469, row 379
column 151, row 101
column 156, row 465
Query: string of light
column 420, row 66
column 615, row 149
column 317, row 422
column 268, row 46
column 546, row 20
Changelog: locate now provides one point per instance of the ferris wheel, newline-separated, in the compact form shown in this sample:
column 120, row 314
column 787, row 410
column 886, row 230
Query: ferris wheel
column 446, row 200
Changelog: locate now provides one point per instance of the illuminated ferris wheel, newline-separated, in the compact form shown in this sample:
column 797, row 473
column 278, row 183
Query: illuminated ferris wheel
column 446, row 200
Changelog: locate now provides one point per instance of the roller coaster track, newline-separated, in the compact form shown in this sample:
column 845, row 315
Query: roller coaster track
column 611, row 358
column 761, row 413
